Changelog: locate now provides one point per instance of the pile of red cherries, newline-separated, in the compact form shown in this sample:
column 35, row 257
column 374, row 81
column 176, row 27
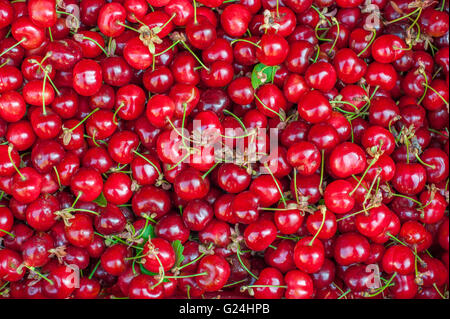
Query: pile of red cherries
column 106, row 191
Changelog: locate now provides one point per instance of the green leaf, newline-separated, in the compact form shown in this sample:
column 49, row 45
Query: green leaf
column 149, row 232
column 263, row 74
column 101, row 200
column 178, row 248
column 150, row 273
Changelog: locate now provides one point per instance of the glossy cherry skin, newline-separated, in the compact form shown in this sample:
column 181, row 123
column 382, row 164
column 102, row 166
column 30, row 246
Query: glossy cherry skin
column 200, row 33
column 321, row 76
column 24, row 29
column 171, row 227
column 305, row 157
column 314, row 107
column 122, row 145
column 42, row 13
column 351, row 248
column 6, row 165
column 347, row 159
column 144, row 287
column 309, row 255
column 235, row 19
column 87, row 182
column 40, row 213
column 260, row 234
column 109, row 17
column 383, row 75
column 28, row 188
column 409, row 179
column 327, row 224
column 372, row 223
column 272, row 50
column 190, row 185
column 337, row 196
column 216, row 232
column 232, row 178
column 270, row 277
column 151, row 201
column 217, row 272
column 20, row 135
column 87, row 77
column 6, row 221
column 197, row 214
column 80, row 232
column 300, row 285
column 10, row 261
column 399, row 259
column 110, row 220
column 437, row 158
column 162, row 249
column 114, row 259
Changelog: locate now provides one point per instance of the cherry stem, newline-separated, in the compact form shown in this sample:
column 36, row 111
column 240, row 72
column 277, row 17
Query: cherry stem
column 148, row 161
column 57, row 176
column 374, row 33
column 187, row 276
column 383, row 288
column 161, row 270
column 323, row 210
column 403, row 17
column 344, row 294
column 83, row 210
column 195, row 56
column 50, row 34
column 279, row 115
column 12, row 47
column 295, row 186
column 317, row 54
column 417, row 18
column 321, row 14
column 276, row 183
column 236, row 118
column 84, row 119
column 8, row 233
column 236, row 282
column 438, row 291
column 128, row 27
column 167, row 22
column 337, row 35
column 353, row 214
column 44, row 111
column 321, row 171
column 168, row 49
column 425, row 85
column 115, row 113
column 238, row 253
column 195, row 11
column 97, row 44
column 32, row 269
column 374, row 160
column 404, row 244
column 423, row 163
column 437, row 93
column 77, row 198
column 95, row 269
column 247, row 41
column 346, row 103
column 10, row 148
column 196, row 259
column 210, row 170
column 289, row 238
column 4, row 63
